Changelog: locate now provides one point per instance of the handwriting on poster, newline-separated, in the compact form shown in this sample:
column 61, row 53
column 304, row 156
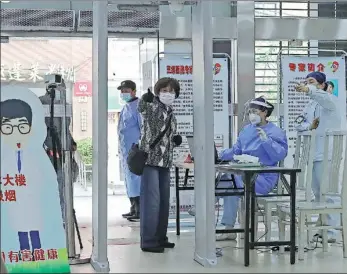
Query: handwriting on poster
column 28, row 255
column 35, row 73
column 11, row 182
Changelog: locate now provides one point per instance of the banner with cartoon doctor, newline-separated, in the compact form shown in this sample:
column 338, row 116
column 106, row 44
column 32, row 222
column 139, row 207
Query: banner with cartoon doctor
column 32, row 232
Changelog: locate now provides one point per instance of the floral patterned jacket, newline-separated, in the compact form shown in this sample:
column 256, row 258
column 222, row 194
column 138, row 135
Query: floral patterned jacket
column 155, row 116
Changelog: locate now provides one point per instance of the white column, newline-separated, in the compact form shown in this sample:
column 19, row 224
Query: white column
column 99, row 258
column 205, row 246
column 245, row 57
column 313, row 7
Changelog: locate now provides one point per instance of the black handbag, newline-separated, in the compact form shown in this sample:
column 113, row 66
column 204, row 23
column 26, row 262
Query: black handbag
column 137, row 157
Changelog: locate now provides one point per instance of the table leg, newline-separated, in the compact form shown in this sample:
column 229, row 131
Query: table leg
column 292, row 216
column 253, row 202
column 177, row 184
column 186, row 175
column 248, row 189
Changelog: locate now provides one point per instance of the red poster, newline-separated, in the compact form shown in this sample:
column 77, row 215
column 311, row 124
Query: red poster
column 83, row 88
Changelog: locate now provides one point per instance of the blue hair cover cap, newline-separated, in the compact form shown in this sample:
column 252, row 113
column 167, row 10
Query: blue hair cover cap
column 319, row 76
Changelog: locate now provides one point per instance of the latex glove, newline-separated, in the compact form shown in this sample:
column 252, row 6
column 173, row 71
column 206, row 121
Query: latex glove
column 302, row 88
column 226, row 154
column 148, row 97
column 315, row 124
column 262, row 134
column 177, row 139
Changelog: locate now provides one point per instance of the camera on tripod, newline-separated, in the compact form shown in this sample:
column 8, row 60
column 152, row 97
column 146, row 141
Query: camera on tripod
column 53, row 80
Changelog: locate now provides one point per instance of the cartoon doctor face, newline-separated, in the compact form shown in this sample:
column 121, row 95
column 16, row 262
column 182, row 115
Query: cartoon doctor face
column 16, row 120
column 330, row 87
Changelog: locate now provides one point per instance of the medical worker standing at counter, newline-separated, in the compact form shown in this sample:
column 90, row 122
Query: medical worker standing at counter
column 129, row 131
column 322, row 113
column 260, row 139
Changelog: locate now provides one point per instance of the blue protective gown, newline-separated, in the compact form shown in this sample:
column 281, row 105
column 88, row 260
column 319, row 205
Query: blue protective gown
column 269, row 152
column 129, row 130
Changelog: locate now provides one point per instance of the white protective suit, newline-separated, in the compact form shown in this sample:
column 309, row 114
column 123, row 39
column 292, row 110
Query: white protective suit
column 324, row 106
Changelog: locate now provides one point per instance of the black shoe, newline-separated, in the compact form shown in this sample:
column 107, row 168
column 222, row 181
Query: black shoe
column 132, row 209
column 134, row 218
column 167, row 245
column 127, row 215
column 158, row 249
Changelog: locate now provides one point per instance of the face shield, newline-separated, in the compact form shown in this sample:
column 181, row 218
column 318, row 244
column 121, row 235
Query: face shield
column 246, row 111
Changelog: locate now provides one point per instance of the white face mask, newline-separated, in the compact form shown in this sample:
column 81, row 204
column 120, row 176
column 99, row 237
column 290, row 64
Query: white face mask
column 312, row 86
column 254, row 118
column 167, row 98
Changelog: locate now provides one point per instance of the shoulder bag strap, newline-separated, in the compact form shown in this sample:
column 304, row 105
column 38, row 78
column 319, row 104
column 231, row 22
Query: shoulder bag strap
column 161, row 135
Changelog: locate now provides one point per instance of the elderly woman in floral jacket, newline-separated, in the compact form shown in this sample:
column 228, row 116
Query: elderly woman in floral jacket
column 157, row 115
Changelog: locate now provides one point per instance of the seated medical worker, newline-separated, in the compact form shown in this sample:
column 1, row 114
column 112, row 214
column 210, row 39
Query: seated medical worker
column 261, row 139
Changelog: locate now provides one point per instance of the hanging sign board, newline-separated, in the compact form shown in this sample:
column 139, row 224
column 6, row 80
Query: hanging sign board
column 182, row 70
column 295, row 69
column 32, row 234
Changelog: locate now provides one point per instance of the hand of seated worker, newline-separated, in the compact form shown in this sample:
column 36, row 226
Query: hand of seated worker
column 148, row 97
column 227, row 155
column 177, row 139
column 262, row 134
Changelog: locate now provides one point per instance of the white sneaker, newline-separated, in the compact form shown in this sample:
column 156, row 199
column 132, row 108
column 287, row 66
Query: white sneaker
column 226, row 236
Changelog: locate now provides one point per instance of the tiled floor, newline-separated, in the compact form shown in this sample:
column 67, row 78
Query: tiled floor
column 125, row 255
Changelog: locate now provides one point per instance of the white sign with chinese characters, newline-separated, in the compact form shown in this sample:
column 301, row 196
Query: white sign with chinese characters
column 147, row 76
column 35, row 73
column 295, row 69
column 181, row 69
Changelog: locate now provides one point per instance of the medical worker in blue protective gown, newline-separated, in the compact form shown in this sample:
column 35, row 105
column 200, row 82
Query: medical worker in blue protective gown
column 321, row 113
column 261, row 139
column 129, row 128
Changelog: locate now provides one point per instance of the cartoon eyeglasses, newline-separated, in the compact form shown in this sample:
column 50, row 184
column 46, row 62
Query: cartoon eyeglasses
column 7, row 129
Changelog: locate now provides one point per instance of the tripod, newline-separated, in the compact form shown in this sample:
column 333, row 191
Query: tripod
column 56, row 146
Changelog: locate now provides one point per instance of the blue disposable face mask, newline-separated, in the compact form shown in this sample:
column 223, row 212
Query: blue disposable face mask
column 125, row 97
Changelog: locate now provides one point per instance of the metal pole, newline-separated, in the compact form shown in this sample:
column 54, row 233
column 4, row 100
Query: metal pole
column 69, row 223
column 99, row 258
column 245, row 57
column 205, row 237
column 70, row 218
